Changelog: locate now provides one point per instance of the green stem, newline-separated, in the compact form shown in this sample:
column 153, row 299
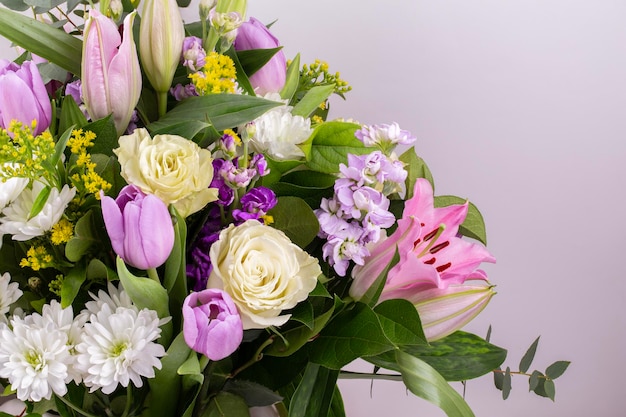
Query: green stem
column 153, row 275
column 75, row 407
column 258, row 355
column 162, row 102
column 361, row 375
column 129, row 400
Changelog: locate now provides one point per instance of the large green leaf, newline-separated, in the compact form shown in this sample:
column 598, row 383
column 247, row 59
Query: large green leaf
column 400, row 322
column 225, row 404
column 458, row 357
column 315, row 392
column 253, row 60
column 292, row 79
column 224, row 111
column 330, row 144
column 296, row 219
column 312, row 99
column 72, row 283
column 473, row 226
column 425, row 382
column 42, row 39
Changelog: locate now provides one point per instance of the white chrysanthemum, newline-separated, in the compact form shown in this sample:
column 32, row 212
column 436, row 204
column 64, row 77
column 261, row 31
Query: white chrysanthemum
column 278, row 132
column 17, row 220
column 62, row 319
column 34, row 360
column 114, row 298
column 9, row 293
column 117, row 347
column 10, row 189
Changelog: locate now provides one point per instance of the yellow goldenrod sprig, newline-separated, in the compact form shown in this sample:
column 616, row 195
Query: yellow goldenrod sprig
column 317, row 74
column 218, row 75
column 84, row 176
column 37, row 257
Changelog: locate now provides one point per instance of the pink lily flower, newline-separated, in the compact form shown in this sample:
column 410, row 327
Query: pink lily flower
column 111, row 77
column 432, row 255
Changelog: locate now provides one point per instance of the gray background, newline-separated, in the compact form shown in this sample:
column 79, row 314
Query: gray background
column 518, row 105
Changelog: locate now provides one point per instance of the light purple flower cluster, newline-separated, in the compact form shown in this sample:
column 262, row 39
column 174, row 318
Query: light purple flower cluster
column 199, row 263
column 385, row 136
column 255, row 204
column 193, row 55
column 359, row 209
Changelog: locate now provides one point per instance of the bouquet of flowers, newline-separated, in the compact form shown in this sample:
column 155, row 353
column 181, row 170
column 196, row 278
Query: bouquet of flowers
column 184, row 233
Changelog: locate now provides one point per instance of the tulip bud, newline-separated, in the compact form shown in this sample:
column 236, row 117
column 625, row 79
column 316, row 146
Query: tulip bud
column 271, row 77
column 23, row 96
column 161, row 36
column 444, row 311
column 139, row 226
column 111, row 77
column 211, row 323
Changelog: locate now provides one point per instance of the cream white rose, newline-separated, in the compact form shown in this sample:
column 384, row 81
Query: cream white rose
column 262, row 271
column 171, row 167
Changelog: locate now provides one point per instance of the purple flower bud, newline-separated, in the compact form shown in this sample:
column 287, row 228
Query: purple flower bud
column 23, row 96
column 271, row 77
column 139, row 226
column 211, row 323
column 181, row 92
column 193, row 55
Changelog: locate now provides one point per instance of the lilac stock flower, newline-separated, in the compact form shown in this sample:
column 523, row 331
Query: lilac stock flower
column 139, row 226
column 271, row 77
column 225, row 194
column 259, row 164
column 384, row 136
column 181, row 92
column 23, row 96
column 74, row 89
column 371, row 168
column 199, row 266
column 211, row 323
column 255, row 204
column 193, row 55
column 345, row 246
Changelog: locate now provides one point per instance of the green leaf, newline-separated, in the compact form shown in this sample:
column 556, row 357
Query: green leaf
column 223, row 110
column 528, row 357
column 312, row 100
column 187, row 129
column 549, row 388
column 255, row 395
column 225, row 404
column 17, row 5
column 242, row 76
column 253, row 60
column 337, row 408
column 460, row 356
column 498, row 378
column 72, row 282
column 43, row 6
column 296, row 219
column 40, row 201
column 42, row 39
column 175, row 274
column 330, row 144
column 106, row 136
column 415, row 168
column 146, row 293
column 473, row 226
column 534, row 380
column 303, row 313
column 59, row 147
column 400, row 322
column 506, row 383
column 292, row 79
column 83, row 239
column 315, row 392
column 353, row 333
column 424, row 381
column 557, row 369
column 165, row 386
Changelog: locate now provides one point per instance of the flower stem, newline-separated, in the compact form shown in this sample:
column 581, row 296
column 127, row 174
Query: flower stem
column 361, row 375
column 153, row 275
column 258, row 355
column 129, row 400
column 162, row 102
column 75, row 407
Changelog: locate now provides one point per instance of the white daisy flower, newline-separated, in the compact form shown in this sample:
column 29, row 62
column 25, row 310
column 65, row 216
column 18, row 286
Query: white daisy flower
column 278, row 132
column 118, row 347
column 17, row 220
column 34, row 360
column 9, row 293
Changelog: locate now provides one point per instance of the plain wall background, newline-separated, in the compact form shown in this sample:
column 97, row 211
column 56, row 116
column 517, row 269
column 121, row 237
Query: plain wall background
column 520, row 106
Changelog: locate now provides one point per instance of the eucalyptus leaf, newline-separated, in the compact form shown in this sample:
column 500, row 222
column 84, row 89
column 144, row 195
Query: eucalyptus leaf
column 506, row 383
column 534, row 380
column 296, row 219
column 42, row 6
column 474, row 225
column 528, row 357
column 17, row 5
column 556, row 369
column 42, row 39
column 549, row 388
column 424, row 381
column 498, row 378
column 312, row 100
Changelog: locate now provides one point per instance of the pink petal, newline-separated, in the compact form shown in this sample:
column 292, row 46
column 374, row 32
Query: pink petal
column 16, row 100
column 156, row 229
column 114, row 223
column 135, row 253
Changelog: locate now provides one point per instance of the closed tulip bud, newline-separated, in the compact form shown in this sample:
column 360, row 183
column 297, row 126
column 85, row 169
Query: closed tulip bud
column 111, row 77
column 271, row 77
column 161, row 36
column 139, row 226
column 444, row 311
column 23, row 96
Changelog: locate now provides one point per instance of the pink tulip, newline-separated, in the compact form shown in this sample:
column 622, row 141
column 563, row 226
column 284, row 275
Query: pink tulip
column 432, row 255
column 271, row 77
column 139, row 226
column 111, row 77
column 211, row 323
column 23, row 96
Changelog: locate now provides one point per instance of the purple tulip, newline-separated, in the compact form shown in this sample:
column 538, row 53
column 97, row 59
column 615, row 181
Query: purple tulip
column 271, row 77
column 211, row 323
column 139, row 226
column 111, row 77
column 23, row 96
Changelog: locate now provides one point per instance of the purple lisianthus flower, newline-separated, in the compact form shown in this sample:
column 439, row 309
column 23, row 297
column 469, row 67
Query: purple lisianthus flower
column 255, row 204
column 211, row 323
column 193, row 55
